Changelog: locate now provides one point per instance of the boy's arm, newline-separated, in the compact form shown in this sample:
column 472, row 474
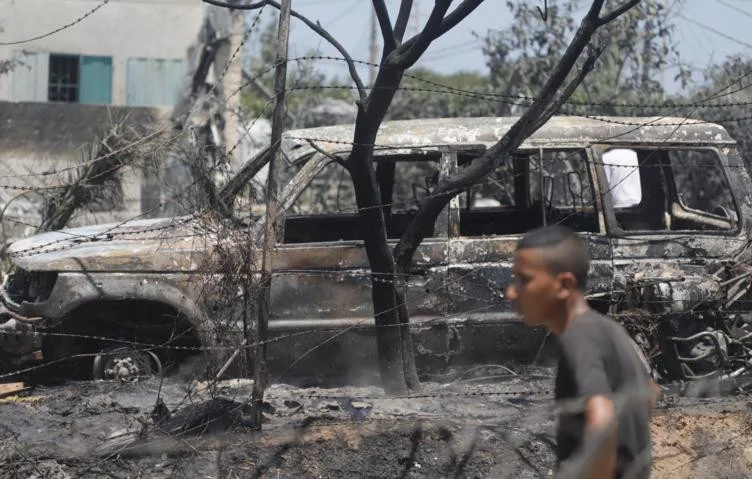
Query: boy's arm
column 601, row 427
column 596, row 456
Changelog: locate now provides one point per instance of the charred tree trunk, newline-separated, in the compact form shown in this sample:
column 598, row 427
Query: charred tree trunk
column 394, row 342
column 373, row 222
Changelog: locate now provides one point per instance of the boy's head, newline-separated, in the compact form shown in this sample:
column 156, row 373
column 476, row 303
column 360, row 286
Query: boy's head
column 550, row 268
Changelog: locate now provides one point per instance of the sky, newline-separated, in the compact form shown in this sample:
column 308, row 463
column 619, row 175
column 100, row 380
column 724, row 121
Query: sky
column 707, row 32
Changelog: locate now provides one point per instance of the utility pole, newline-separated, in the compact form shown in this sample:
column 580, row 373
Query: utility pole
column 374, row 47
column 270, row 231
column 232, row 81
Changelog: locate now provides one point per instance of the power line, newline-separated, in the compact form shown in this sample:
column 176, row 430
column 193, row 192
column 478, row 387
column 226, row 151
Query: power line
column 717, row 32
column 452, row 50
column 64, row 27
column 737, row 9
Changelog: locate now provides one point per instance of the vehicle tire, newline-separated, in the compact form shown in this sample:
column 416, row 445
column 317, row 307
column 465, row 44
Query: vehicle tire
column 125, row 363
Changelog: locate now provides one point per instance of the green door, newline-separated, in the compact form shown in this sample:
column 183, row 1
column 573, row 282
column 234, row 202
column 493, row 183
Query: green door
column 96, row 80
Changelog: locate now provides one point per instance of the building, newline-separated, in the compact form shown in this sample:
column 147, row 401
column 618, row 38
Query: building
column 126, row 53
column 123, row 63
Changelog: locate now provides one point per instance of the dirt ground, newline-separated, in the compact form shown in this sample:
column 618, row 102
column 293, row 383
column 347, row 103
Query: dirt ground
column 498, row 429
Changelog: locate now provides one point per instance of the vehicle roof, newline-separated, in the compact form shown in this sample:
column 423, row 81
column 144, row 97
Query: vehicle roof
column 561, row 130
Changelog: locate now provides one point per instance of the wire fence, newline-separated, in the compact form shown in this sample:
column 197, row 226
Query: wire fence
column 509, row 407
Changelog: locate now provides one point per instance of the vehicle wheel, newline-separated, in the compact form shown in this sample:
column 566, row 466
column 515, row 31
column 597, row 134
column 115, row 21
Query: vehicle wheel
column 126, row 364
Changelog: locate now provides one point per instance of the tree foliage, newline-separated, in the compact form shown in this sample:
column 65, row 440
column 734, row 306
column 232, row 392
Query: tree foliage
column 640, row 47
column 727, row 84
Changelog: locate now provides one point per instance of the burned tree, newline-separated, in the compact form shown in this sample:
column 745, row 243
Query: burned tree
column 390, row 268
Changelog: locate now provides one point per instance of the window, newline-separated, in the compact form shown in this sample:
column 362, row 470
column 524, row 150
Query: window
column 80, row 79
column 63, row 81
column 671, row 189
column 70, row 78
column 326, row 210
column 509, row 200
column 330, row 192
column 413, row 181
column 568, row 191
column 496, row 191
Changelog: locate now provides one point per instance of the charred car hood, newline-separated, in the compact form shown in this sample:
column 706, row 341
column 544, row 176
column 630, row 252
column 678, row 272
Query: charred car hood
column 154, row 245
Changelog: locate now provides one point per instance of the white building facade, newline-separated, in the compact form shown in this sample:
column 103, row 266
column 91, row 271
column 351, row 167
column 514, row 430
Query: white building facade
column 126, row 53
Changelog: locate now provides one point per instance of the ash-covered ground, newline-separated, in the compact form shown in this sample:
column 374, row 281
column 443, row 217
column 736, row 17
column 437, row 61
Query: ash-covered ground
column 501, row 427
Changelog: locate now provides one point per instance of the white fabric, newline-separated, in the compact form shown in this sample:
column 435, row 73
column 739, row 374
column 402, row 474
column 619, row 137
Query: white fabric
column 623, row 181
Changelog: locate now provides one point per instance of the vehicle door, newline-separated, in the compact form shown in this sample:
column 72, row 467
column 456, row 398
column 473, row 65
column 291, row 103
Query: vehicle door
column 675, row 219
column 321, row 287
column 529, row 189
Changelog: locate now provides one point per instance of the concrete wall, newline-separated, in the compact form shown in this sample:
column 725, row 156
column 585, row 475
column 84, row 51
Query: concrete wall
column 22, row 209
column 45, row 144
column 122, row 29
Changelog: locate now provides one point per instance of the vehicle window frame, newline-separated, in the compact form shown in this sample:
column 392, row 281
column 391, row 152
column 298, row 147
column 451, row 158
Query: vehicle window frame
column 318, row 162
column 610, row 213
column 587, row 157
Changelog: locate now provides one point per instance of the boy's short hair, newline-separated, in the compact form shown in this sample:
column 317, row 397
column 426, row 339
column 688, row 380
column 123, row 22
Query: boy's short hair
column 564, row 250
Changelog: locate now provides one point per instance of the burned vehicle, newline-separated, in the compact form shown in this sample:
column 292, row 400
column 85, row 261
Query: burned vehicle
column 664, row 204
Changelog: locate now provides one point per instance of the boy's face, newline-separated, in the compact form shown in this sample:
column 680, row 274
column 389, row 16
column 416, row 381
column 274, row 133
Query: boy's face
column 536, row 293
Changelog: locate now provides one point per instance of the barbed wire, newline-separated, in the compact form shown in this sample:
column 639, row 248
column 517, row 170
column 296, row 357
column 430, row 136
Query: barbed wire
column 360, row 324
column 58, row 30
column 516, row 100
column 447, row 89
column 118, row 151
column 489, row 95
column 149, row 230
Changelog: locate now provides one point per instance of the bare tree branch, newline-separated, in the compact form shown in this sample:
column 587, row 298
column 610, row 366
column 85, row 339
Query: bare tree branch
column 316, row 27
column 617, row 12
column 458, row 14
column 402, row 18
column 337, row 159
column 390, row 43
column 406, row 56
column 593, row 54
column 447, row 23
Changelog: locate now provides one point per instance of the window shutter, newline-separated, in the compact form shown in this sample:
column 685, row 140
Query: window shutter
column 96, row 80
column 153, row 81
column 29, row 76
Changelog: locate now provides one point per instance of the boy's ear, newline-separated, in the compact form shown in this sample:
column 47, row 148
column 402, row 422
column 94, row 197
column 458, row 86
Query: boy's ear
column 568, row 281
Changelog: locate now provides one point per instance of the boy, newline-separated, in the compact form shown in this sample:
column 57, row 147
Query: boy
column 608, row 435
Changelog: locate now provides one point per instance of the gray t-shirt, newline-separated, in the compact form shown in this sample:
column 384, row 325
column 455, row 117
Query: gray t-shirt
column 599, row 358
